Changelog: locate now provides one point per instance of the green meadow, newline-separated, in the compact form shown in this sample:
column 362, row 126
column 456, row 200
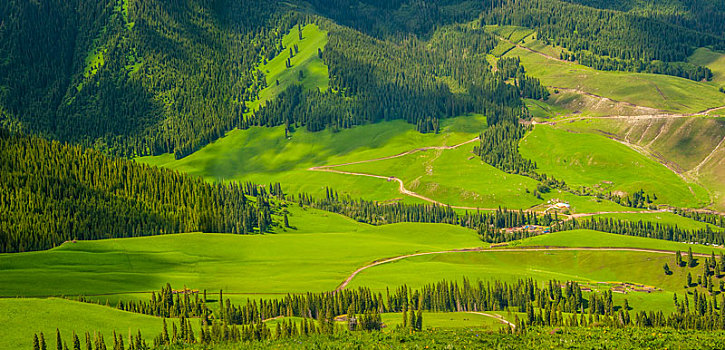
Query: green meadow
column 663, row 218
column 450, row 320
column 710, row 59
column 272, row 263
column 264, row 155
column 592, row 160
column 24, row 317
column 649, row 90
column 589, row 238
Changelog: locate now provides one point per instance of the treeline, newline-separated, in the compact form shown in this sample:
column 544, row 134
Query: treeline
column 678, row 69
column 710, row 218
column 444, row 296
column 52, row 192
column 643, row 229
column 554, row 303
column 375, row 80
column 489, row 225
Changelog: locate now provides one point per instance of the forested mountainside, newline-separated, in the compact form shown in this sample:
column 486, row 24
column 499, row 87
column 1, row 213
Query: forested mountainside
column 52, row 192
column 131, row 77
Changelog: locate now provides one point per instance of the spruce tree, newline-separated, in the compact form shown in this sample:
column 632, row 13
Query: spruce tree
column 58, row 340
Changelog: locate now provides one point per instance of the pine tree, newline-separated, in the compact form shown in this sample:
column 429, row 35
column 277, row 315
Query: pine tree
column 667, row 269
column 43, row 346
column 58, row 340
column 36, row 343
column 419, row 320
column 690, row 258
column 678, row 258
column 76, row 342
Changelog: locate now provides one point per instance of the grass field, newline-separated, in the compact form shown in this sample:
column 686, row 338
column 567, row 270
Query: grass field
column 649, row 90
column 685, row 143
column 589, row 238
column 447, row 320
column 24, row 317
column 583, row 159
column 264, row 155
column 711, row 59
column 662, row 218
column 455, row 177
column 273, row 263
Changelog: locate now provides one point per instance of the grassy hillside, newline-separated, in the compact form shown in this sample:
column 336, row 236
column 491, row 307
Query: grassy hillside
column 595, row 161
column 263, row 154
column 455, row 177
column 24, row 317
column 589, row 238
column 649, row 90
column 691, row 146
column 710, row 59
column 274, row 263
column 662, row 218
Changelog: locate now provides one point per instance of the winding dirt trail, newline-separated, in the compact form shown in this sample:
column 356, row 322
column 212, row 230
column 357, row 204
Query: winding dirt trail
column 506, row 250
column 497, row 317
column 401, row 185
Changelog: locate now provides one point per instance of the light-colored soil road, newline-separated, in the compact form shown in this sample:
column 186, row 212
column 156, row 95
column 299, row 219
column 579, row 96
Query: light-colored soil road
column 497, row 317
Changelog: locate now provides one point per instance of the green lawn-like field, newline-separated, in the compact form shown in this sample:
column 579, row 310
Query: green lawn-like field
column 589, row 238
column 663, row 219
column 447, row 320
column 455, row 177
column 649, row 90
column 24, row 317
column 273, row 263
column 710, row 59
column 264, row 155
column 583, row 159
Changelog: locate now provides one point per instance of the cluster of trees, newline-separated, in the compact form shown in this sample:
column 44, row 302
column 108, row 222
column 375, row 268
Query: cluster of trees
column 710, row 218
column 712, row 268
column 643, row 229
column 511, row 68
column 543, row 305
column 52, row 192
column 93, row 341
column 705, row 313
column 488, row 224
column 443, row 296
column 499, row 147
column 678, row 69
